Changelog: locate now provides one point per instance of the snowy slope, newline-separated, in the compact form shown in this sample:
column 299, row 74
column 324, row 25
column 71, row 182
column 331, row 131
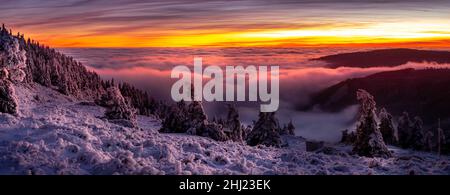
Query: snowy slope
column 55, row 134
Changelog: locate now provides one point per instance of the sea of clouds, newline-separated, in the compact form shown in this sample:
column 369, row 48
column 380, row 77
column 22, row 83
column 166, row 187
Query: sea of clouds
column 149, row 69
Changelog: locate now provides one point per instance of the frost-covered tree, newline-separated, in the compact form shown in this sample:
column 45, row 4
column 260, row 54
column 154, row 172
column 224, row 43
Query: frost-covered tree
column 348, row 137
column 233, row 124
column 138, row 99
column 404, row 130
column 12, row 65
column 246, row 131
column 118, row 110
column 13, row 57
column 31, row 62
column 196, row 115
column 176, row 121
column 265, row 131
column 428, row 140
column 191, row 119
column 51, row 68
column 288, row 129
column 213, row 131
column 369, row 141
column 440, row 137
column 8, row 98
column 386, row 127
column 291, row 128
column 417, row 137
column 199, row 125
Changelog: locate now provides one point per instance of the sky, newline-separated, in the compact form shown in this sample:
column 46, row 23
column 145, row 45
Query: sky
column 199, row 23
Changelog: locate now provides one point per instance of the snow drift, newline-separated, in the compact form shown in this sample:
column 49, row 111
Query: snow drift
column 57, row 134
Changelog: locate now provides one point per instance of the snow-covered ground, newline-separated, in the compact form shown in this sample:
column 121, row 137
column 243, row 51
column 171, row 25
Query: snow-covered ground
column 56, row 134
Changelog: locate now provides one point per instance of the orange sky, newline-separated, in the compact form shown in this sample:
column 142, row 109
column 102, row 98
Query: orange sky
column 117, row 23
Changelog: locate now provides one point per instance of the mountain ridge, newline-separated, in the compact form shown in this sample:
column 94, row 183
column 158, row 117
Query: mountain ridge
column 384, row 58
column 420, row 92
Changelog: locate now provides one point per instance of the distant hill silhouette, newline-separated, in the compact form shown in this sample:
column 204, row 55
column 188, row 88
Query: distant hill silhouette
column 425, row 93
column 385, row 57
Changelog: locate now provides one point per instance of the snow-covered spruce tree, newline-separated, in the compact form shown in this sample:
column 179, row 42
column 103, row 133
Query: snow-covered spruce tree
column 428, row 140
column 118, row 109
column 50, row 68
column 214, row 131
column 417, row 137
column 265, row 131
column 348, row 137
column 8, row 98
column 386, row 127
column 196, row 115
column 233, row 125
column 291, row 128
column 369, row 141
column 138, row 99
column 199, row 125
column 246, row 131
column 288, row 129
column 12, row 65
column 191, row 119
column 13, row 57
column 440, row 138
column 404, row 130
column 176, row 121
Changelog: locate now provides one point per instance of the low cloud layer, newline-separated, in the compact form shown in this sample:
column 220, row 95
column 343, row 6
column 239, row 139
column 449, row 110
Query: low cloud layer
column 298, row 80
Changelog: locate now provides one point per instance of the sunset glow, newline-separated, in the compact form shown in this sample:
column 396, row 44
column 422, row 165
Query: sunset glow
column 230, row 24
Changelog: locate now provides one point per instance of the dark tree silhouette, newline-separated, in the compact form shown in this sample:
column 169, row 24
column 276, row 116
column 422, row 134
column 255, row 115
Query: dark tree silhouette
column 404, row 130
column 369, row 141
column 386, row 127
column 265, row 131
column 12, row 65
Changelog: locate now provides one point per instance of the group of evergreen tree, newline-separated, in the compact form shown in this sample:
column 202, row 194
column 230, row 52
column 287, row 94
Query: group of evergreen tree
column 50, row 68
column 369, row 140
column 190, row 118
column 412, row 134
column 119, row 109
column 12, row 71
column 139, row 99
column 406, row 134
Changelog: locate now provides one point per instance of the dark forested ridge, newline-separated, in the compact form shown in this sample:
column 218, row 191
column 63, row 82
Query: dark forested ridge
column 385, row 57
column 420, row 92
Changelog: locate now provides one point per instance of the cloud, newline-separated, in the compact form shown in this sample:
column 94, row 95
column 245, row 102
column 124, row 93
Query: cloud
column 153, row 19
column 150, row 68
